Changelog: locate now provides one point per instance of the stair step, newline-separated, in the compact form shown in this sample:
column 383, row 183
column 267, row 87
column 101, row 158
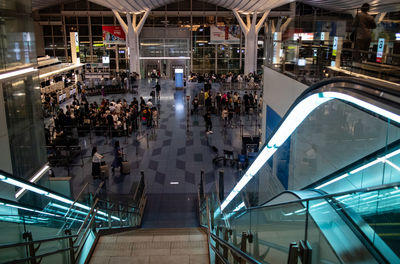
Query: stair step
column 148, row 246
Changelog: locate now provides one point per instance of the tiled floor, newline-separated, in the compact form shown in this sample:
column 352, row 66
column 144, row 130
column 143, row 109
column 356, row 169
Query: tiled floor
column 171, row 153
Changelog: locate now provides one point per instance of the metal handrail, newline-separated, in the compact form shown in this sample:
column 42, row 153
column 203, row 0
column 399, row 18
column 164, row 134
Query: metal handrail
column 79, row 195
column 35, row 241
column 236, row 250
column 220, row 257
column 38, row 256
column 80, row 245
column 87, row 216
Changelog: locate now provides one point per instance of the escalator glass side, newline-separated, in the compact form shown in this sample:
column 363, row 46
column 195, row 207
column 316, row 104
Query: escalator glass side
column 377, row 215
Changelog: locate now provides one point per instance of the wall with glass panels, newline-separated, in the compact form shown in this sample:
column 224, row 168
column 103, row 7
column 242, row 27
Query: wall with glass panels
column 158, row 38
column 22, row 130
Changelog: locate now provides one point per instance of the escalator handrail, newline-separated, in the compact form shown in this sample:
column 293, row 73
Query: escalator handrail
column 235, row 250
column 326, row 196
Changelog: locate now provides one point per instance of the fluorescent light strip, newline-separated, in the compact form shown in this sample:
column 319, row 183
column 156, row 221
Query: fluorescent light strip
column 16, row 73
column 365, row 166
column 378, row 160
column 50, row 195
column 289, row 125
column 393, row 165
column 240, row 206
column 34, row 179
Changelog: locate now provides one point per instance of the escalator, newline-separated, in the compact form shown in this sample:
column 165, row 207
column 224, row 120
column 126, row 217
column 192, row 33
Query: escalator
column 338, row 149
column 54, row 228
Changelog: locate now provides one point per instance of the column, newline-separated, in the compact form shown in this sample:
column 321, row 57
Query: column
column 132, row 31
column 250, row 31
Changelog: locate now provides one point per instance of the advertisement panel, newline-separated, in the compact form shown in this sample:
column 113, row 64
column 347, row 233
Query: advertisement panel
column 225, row 34
column 113, row 35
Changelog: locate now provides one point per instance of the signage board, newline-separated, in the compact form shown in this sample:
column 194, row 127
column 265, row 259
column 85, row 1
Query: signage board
column 225, row 34
column 106, row 60
column 113, row 35
column 335, row 45
column 303, row 36
column 379, row 53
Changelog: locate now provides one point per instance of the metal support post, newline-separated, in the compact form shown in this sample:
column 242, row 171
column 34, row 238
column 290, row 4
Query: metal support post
column 221, row 185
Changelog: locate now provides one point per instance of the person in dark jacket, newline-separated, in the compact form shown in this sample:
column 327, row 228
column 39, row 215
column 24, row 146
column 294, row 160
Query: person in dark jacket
column 207, row 120
column 117, row 162
column 363, row 24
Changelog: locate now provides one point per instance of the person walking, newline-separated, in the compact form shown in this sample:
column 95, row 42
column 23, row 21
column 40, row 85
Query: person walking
column 363, row 24
column 207, row 120
column 158, row 90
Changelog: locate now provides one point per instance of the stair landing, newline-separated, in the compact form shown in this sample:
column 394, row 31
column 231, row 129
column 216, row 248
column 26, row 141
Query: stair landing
column 151, row 246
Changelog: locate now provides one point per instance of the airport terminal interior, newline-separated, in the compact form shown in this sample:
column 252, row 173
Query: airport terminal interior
column 199, row 132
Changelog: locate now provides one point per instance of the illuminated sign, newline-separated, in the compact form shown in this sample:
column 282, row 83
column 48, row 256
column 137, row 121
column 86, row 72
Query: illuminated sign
column 106, row 60
column 301, row 62
column 322, row 35
column 76, row 42
column 303, row 36
column 397, row 36
column 335, row 44
column 379, row 54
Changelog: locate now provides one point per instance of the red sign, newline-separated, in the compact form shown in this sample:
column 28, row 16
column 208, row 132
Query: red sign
column 113, row 35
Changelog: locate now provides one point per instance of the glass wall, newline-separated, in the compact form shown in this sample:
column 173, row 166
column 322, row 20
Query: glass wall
column 319, row 44
column 22, row 104
column 25, row 125
column 206, row 56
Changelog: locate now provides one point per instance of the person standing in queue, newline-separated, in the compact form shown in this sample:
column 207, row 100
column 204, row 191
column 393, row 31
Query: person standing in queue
column 96, row 163
column 117, row 162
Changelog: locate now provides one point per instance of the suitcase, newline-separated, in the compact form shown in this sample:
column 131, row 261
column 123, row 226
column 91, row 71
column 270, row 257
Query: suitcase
column 126, row 167
column 105, row 171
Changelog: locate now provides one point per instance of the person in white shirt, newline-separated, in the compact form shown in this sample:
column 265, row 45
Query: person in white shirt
column 96, row 163
column 149, row 104
column 118, row 107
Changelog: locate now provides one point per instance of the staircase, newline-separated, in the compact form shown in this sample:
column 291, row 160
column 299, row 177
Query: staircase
column 148, row 246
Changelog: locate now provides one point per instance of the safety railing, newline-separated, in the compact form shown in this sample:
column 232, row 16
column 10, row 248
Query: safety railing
column 312, row 229
column 64, row 230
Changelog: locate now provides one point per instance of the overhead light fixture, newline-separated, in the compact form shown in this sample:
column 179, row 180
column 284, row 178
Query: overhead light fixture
column 16, row 73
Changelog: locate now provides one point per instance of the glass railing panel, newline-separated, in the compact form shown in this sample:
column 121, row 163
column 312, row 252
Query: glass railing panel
column 41, row 227
column 322, row 251
column 273, row 230
column 331, row 228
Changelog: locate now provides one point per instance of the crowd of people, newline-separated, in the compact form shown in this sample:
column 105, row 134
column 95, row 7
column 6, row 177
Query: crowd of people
column 110, row 118
column 225, row 78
